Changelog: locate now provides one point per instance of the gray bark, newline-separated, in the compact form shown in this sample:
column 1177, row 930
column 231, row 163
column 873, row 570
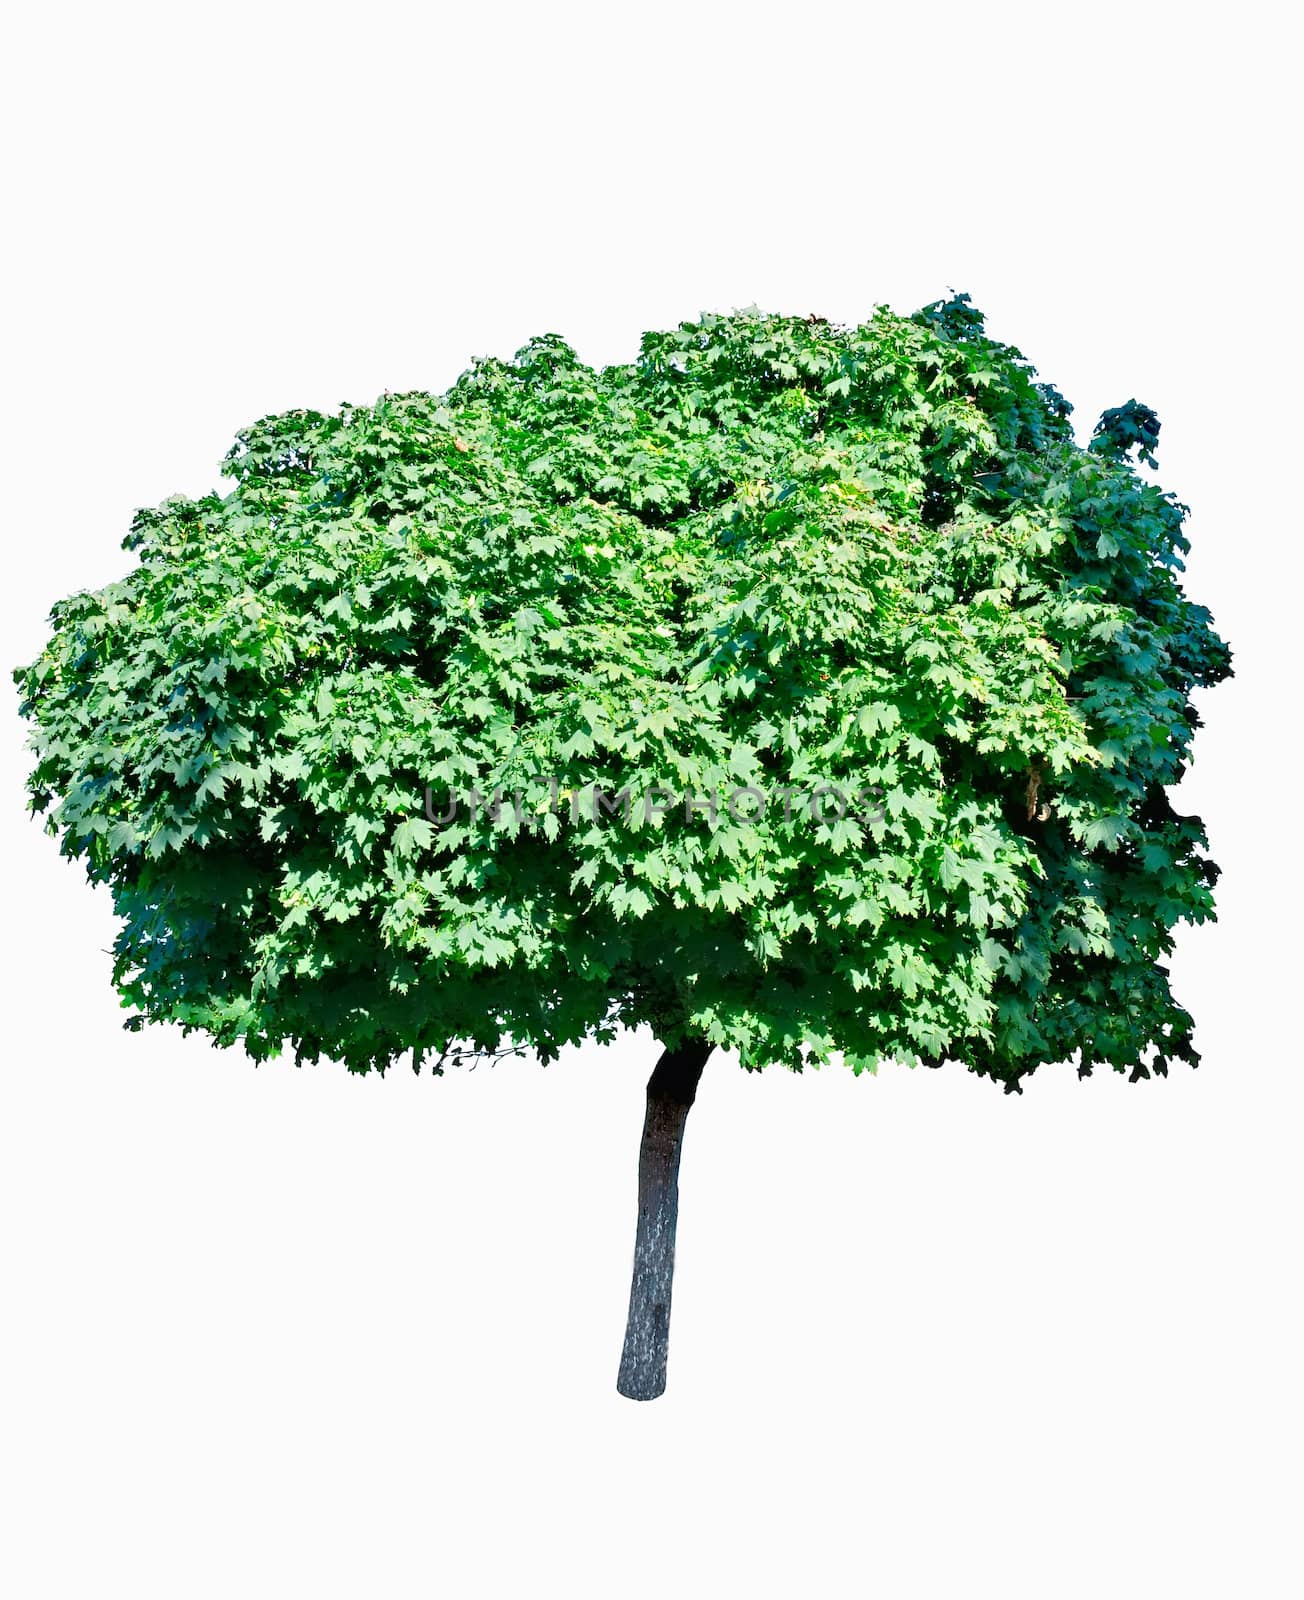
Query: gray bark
column 670, row 1092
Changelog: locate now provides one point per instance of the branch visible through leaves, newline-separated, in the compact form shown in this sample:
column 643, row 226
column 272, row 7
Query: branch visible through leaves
column 1036, row 813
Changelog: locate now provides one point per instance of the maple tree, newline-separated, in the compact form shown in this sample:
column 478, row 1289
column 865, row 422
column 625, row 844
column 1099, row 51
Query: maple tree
column 771, row 553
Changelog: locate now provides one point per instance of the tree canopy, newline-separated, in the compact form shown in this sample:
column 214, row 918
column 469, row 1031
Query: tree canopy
column 771, row 553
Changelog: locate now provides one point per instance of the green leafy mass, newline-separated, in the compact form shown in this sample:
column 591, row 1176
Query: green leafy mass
column 769, row 552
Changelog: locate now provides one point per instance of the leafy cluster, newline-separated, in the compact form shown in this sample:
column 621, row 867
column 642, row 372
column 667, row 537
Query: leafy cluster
column 769, row 552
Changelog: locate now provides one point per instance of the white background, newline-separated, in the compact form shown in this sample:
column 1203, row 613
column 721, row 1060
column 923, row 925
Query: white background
column 278, row 1333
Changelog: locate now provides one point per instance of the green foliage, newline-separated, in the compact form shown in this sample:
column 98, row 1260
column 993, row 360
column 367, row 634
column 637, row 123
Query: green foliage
column 1125, row 426
column 770, row 551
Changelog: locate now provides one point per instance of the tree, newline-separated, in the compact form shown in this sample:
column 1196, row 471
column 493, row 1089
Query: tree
column 796, row 690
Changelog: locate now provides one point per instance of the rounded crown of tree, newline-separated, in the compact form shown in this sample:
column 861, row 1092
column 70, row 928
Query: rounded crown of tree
column 800, row 688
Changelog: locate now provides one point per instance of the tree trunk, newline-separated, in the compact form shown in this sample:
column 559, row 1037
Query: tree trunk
column 670, row 1092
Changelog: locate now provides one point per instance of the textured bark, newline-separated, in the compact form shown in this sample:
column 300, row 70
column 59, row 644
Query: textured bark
column 670, row 1092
